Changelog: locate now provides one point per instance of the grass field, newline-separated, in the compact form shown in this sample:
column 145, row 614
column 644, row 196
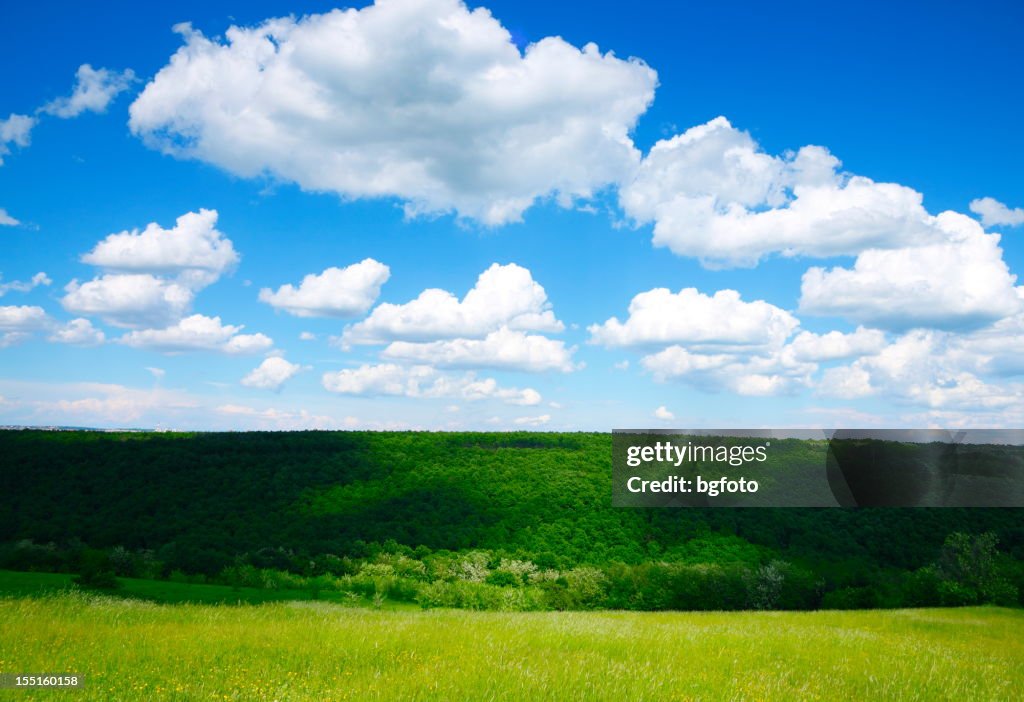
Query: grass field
column 135, row 650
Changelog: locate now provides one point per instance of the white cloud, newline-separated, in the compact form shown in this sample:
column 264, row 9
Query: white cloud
column 535, row 421
column 6, row 220
column 996, row 349
column 994, row 213
column 17, row 130
column 194, row 250
column 25, row 286
column 152, row 275
column 118, row 404
column 769, row 373
column 93, row 91
column 129, row 300
column 157, row 373
column 79, row 332
column 198, row 333
column 426, row 101
column 110, row 405
column 711, row 342
column 962, row 371
column 19, row 322
column 960, row 283
column 713, row 194
column 664, row 413
column 337, row 292
column 501, row 349
column 835, row 345
column 102, row 403
column 422, row 382
column 288, row 420
column 271, row 374
column 23, row 318
column 307, row 336
column 504, row 296
column 689, row 317
column 923, row 367
column 12, row 337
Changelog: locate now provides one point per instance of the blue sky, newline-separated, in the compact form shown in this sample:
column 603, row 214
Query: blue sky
column 815, row 213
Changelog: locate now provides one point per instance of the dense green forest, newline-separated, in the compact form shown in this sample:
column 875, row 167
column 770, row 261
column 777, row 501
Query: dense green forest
column 464, row 518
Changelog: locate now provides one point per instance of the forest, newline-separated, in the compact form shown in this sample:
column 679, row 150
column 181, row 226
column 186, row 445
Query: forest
column 478, row 520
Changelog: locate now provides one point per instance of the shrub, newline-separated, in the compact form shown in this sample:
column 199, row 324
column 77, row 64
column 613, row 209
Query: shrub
column 96, row 571
column 764, row 585
column 503, row 578
column 970, row 572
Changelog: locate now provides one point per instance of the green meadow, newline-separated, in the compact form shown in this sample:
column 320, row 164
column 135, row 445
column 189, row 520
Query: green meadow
column 302, row 650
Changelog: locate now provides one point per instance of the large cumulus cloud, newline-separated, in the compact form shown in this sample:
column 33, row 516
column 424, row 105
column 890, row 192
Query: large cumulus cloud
column 423, row 100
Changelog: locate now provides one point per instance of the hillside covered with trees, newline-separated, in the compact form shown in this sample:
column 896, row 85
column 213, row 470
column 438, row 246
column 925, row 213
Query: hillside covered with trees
column 465, row 519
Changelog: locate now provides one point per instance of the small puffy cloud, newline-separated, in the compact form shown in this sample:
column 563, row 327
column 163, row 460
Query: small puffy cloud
column 271, row 374
column 157, row 373
column 504, row 296
column 664, row 414
column 713, row 194
column 307, row 336
column 194, row 250
column 129, row 300
column 79, row 332
column 689, row 317
column 152, row 275
column 534, row 421
column 93, row 91
column 422, row 382
column 501, row 349
column 337, row 292
column 835, row 345
column 25, row 286
column 426, row 101
column 6, row 220
column 995, row 214
column 17, row 130
column 957, row 284
column 770, row 373
column 198, row 333
column 23, row 318
column 19, row 322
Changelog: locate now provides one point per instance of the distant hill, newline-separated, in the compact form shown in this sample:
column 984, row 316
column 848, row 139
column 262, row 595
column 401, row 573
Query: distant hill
column 204, row 499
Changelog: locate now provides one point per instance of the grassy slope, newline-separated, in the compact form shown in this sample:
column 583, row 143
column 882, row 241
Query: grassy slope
column 131, row 650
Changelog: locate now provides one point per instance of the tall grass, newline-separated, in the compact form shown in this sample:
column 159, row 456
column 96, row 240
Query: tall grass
column 130, row 650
